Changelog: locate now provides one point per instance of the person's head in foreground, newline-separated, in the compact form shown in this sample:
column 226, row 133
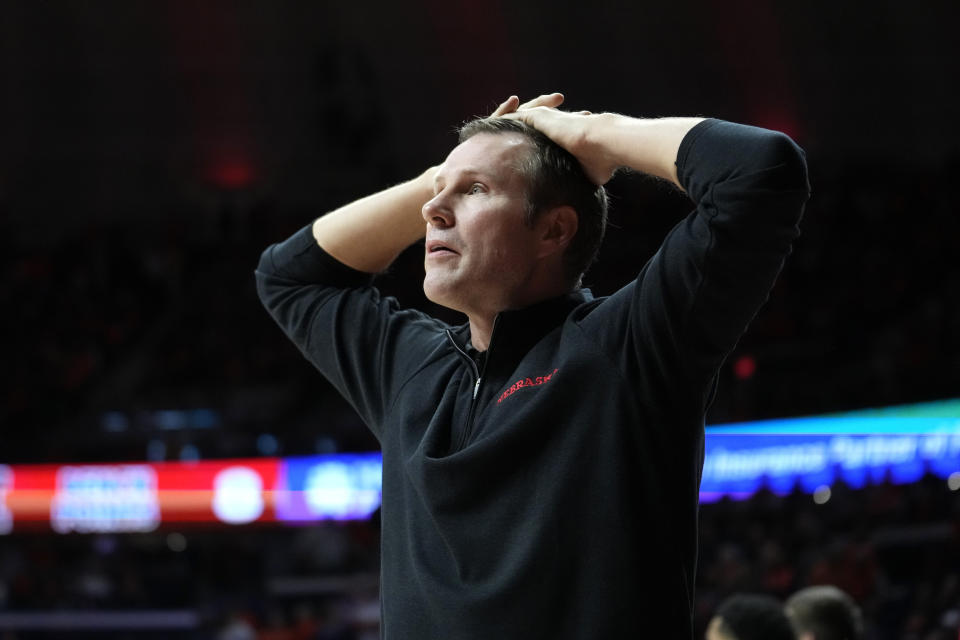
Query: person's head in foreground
column 750, row 617
column 514, row 220
column 824, row 612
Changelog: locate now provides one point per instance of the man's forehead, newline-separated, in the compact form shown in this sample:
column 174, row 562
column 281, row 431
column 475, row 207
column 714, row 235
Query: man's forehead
column 486, row 153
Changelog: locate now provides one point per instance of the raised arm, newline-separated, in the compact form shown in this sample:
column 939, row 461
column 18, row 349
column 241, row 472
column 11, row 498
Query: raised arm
column 604, row 142
column 695, row 297
column 368, row 234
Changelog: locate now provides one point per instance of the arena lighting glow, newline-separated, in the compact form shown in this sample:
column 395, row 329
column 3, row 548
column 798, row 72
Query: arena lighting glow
column 897, row 444
column 231, row 173
column 942, row 416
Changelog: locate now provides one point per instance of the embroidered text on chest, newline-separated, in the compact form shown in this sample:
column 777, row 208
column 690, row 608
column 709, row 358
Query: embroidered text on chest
column 522, row 383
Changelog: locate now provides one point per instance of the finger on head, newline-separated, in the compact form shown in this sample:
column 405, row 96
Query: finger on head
column 551, row 100
column 508, row 105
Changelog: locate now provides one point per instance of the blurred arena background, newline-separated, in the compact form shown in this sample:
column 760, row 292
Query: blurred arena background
column 150, row 151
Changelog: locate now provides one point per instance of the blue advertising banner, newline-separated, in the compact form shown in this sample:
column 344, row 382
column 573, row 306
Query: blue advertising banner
column 328, row 487
column 896, row 444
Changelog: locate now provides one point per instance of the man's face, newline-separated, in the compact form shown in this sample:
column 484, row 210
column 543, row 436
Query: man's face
column 479, row 253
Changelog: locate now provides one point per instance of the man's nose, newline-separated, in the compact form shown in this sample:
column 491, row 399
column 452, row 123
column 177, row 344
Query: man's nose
column 437, row 213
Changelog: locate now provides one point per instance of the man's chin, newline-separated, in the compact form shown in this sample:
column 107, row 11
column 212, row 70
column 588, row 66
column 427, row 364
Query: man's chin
column 434, row 293
column 440, row 292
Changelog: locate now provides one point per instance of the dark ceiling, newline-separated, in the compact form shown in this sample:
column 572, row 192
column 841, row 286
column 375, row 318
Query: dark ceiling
column 118, row 108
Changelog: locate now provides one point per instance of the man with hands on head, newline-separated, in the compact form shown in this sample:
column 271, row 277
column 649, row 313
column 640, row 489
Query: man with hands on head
column 541, row 462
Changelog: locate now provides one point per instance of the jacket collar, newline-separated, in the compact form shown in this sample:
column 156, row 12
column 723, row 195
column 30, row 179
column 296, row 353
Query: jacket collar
column 517, row 330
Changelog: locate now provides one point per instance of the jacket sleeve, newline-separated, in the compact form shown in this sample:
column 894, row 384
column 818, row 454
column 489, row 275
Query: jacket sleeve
column 361, row 342
column 673, row 326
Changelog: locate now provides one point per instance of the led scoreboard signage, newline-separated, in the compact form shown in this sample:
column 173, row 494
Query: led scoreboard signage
column 139, row 497
column 897, row 444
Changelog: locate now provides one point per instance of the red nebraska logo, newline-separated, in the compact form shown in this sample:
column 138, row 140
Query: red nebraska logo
column 522, row 383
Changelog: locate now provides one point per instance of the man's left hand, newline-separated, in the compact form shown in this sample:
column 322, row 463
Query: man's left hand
column 570, row 130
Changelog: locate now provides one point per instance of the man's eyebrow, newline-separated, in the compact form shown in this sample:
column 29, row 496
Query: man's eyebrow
column 438, row 179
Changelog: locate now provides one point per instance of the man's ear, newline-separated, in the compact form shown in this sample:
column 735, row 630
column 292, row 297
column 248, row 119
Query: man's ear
column 557, row 228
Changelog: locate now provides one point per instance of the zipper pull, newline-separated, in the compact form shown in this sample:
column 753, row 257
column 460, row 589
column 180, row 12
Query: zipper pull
column 476, row 388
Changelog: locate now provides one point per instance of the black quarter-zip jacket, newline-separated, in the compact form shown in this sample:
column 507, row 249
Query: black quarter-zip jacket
column 551, row 491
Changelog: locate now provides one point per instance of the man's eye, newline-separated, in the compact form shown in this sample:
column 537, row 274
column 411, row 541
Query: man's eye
column 475, row 188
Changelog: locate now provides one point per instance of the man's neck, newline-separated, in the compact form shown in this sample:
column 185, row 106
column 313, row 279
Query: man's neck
column 481, row 322
column 481, row 330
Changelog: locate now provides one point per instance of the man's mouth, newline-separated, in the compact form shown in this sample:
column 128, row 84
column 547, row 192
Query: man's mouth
column 434, row 247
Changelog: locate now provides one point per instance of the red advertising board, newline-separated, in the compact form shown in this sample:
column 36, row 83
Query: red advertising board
column 131, row 497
